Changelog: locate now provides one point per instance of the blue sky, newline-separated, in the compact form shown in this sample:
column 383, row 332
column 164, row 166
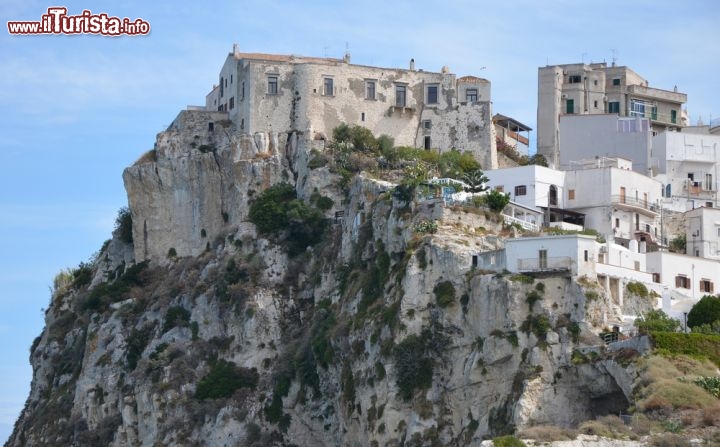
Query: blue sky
column 76, row 110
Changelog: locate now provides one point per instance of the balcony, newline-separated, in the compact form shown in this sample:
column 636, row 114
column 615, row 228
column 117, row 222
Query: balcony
column 525, row 225
column 558, row 263
column 633, row 204
column 657, row 94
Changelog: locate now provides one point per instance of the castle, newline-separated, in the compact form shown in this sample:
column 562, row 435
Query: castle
column 272, row 94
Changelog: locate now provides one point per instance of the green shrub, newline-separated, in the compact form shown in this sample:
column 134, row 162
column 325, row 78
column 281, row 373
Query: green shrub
column 496, row 200
column 656, row 321
column 709, row 384
column 507, row 441
column 705, row 311
column 637, row 288
column 123, row 225
column 277, row 211
column 136, row 343
column 444, row 293
column 82, row 275
column 695, row 345
column 537, row 324
column 519, row 277
column 176, row 316
column 414, row 367
column 224, row 379
column 532, row 297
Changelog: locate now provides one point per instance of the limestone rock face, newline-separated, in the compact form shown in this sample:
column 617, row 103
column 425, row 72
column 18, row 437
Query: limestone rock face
column 380, row 334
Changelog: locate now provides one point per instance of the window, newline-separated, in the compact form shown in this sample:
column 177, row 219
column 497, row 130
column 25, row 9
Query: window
column 370, row 90
column 211, row 126
column 616, row 81
column 595, row 104
column 708, row 204
column 636, row 264
column 242, row 123
column 431, row 94
column 673, row 116
column 570, row 106
column 614, row 107
column 682, row 281
column 362, row 116
column 232, row 102
column 471, row 95
column 231, row 79
column 594, row 81
column 500, row 188
column 574, row 79
column 637, row 108
column 520, row 190
column 656, row 277
column 242, row 91
column 272, row 85
column 542, row 259
column 708, row 182
column 328, row 87
column 571, row 194
column 474, row 260
column 552, row 196
column 706, row 286
column 400, row 91
column 622, row 194
column 653, row 113
column 585, row 255
column 427, row 124
column 617, row 222
column 222, row 87
column 427, row 144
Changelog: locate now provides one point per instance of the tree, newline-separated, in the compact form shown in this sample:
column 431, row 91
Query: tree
column 678, row 244
column 705, row 311
column 476, row 181
column 496, row 200
column 656, row 321
column 123, row 225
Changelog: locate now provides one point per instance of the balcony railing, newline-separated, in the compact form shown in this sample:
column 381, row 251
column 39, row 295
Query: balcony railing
column 523, row 224
column 634, row 203
column 544, row 264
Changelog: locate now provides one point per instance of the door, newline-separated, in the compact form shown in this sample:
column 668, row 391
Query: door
column 542, row 259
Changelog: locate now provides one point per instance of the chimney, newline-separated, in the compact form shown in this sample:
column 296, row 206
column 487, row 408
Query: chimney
column 346, row 58
column 236, row 49
column 412, row 64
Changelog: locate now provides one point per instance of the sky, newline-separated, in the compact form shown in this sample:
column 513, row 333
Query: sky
column 75, row 110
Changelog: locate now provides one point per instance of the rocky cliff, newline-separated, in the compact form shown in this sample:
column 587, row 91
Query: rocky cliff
column 207, row 331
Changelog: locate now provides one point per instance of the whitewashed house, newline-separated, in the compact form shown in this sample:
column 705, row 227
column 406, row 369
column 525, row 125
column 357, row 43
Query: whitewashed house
column 616, row 201
column 702, row 232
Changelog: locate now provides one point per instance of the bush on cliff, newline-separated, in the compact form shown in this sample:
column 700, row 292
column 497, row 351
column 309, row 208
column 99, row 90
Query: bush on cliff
column 278, row 212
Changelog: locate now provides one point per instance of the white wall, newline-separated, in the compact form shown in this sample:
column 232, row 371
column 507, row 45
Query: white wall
column 670, row 265
column 584, row 137
column 537, row 181
column 566, row 250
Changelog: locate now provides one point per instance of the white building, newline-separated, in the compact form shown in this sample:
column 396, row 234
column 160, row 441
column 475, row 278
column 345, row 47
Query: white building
column 616, row 201
column 702, row 232
column 584, row 137
column 587, row 89
column 689, row 166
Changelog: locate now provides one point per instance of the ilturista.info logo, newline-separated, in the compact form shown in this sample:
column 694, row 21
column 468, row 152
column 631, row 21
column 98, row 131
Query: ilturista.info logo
column 57, row 21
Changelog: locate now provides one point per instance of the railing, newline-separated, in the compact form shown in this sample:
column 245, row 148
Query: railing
column 631, row 201
column 523, row 224
column 544, row 264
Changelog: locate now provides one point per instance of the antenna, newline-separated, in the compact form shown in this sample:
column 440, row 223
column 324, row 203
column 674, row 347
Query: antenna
column 325, row 48
column 582, row 57
column 614, row 56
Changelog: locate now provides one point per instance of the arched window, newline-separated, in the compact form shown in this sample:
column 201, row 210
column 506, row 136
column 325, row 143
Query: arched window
column 552, row 196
